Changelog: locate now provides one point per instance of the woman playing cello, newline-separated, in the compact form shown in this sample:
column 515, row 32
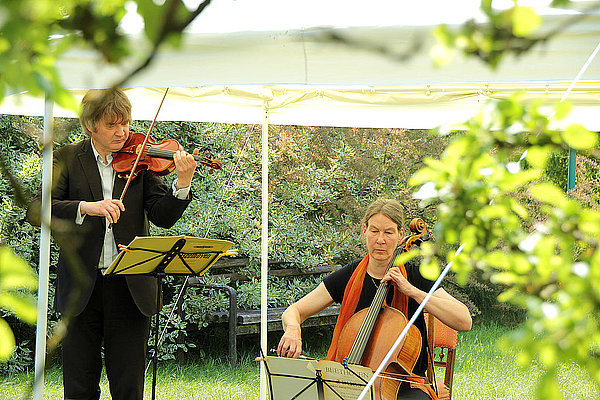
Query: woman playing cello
column 355, row 287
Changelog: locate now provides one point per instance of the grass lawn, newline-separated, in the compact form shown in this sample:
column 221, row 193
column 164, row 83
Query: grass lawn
column 481, row 372
column 484, row 372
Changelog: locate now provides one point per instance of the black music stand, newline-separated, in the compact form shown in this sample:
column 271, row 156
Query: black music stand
column 167, row 255
column 309, row 379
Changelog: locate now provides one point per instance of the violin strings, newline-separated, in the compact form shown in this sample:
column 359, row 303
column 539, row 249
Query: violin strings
column 168, row 154
column 158, row 152
column 185, row 282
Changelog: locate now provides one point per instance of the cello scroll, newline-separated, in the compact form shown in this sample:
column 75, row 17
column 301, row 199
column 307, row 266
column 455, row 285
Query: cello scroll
column 419, row 229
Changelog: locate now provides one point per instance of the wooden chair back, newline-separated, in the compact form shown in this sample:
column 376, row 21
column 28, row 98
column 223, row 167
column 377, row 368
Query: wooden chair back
column 442, row 344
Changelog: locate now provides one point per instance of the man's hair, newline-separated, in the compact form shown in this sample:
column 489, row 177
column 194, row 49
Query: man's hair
column 98, row 103
column 391, row 208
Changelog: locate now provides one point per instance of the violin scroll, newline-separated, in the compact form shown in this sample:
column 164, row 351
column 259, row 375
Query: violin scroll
column 210, row 163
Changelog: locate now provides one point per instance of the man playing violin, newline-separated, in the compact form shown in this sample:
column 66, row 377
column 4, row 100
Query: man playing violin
column 111, row 310
column 355, row 285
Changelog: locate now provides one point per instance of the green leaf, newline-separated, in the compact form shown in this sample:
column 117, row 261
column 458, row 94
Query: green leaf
column 430, row 270
column 518, row 208
column 579, row 138
column 590, row 222
column 423, row 175
column 7, row 341
column 512, row 181
column 497, row 259
column 562, row 110
column 406, row 256
column 153, row 18
column 547, row 387
column 548, row 193
column 524, row 21
column 15, row 273
column 443, row 35
column 504, row 278
column 486, row 6
column 65, row 99
column 538, row 156
column 23, row 306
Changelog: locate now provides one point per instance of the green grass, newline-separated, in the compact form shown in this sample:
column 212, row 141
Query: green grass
column 208, row 379
column 481, row 372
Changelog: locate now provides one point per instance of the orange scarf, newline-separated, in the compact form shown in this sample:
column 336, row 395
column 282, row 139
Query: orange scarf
column 350, row 300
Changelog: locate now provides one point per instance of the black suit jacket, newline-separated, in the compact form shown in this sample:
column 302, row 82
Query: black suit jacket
column 76, row 178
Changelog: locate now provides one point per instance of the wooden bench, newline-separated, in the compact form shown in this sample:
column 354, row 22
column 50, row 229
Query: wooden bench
column 245, row 322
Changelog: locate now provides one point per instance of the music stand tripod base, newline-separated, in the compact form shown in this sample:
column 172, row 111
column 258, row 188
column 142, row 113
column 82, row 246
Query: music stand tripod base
column 167, row 255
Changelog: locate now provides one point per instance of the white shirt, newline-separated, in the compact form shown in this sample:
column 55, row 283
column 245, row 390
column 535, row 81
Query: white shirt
column 107, row 176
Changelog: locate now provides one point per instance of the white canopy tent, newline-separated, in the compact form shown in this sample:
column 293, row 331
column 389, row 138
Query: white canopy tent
column 278, row 64
column 281, row 55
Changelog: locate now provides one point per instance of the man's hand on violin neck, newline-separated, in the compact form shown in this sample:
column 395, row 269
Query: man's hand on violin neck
column 185, row 165
column 110, row 208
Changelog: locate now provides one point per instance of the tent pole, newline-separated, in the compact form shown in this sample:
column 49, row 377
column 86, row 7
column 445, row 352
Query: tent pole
column 42, row 305
column 571, row 169
column 264, row 245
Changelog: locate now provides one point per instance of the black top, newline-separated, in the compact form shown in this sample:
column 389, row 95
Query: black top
column 336, row 285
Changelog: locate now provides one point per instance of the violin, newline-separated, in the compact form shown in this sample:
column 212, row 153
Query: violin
column 140, row 153
column 155, row 157
column 370, row 333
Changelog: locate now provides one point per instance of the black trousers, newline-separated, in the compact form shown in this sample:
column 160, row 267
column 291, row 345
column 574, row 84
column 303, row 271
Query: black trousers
column 110, row 318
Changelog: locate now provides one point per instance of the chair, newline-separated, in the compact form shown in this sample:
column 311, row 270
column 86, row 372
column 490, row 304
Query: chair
column 442, row 340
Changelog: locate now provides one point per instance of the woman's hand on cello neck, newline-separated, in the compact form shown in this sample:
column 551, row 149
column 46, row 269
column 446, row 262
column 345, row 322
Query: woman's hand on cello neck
column 394, row 275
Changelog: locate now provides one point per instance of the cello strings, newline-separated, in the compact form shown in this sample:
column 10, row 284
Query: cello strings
column 364, row 333
column 184, row 285
column 408, row 325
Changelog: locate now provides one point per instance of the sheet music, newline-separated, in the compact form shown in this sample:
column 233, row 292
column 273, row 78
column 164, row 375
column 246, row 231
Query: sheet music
column 309, row 379
column 144, row 253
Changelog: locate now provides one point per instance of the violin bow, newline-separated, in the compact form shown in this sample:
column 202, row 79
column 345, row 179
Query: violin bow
column 137, row 159
column 412, row 320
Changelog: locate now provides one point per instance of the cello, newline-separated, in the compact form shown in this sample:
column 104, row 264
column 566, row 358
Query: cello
column 370, row 333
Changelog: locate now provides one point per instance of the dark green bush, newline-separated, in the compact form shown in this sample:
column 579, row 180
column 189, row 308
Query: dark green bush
column 320, row 180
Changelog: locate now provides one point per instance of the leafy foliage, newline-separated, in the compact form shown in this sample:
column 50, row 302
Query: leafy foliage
column 320, row 181
column 34, row 34
column 535, row 260
column 17, row 281
column 511, row 30
column 521, row 232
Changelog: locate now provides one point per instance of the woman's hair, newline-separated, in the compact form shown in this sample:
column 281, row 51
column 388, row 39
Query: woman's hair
column 389, row 207
column 98, row 103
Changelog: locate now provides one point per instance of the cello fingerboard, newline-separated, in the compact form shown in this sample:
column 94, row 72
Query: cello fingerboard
column 364, row 334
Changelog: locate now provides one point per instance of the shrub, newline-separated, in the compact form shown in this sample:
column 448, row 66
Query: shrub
column 320, row 180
